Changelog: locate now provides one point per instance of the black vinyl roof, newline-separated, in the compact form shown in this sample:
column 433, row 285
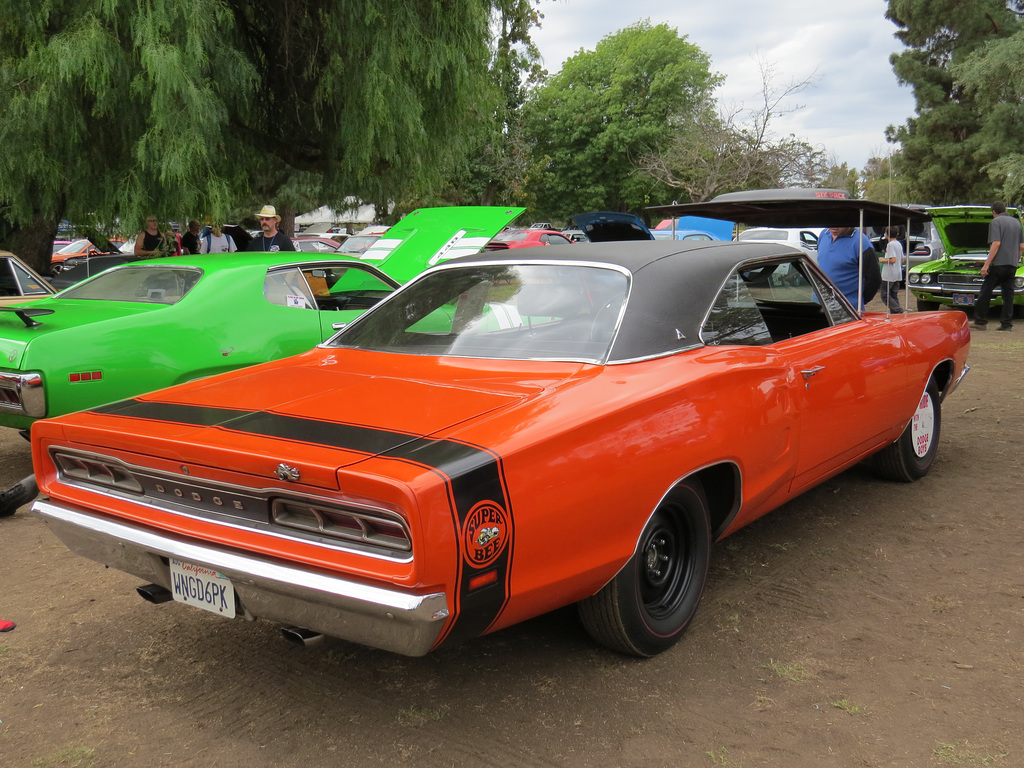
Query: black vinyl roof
column 673, row 283
column 795, row 208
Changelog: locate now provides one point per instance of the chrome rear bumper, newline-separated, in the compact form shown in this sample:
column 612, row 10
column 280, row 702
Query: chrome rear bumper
column 381, row 618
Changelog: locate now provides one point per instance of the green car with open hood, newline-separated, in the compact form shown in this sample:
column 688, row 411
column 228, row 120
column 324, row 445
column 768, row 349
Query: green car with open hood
column 954, row 281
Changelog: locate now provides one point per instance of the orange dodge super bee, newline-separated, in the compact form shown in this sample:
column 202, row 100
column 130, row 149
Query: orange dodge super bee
column 507, row 434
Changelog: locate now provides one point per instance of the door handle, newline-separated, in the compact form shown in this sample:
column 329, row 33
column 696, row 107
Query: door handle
column 807, row 373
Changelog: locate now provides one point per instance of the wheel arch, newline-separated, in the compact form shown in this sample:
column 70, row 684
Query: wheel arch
column 942, row 374
column 721, row 484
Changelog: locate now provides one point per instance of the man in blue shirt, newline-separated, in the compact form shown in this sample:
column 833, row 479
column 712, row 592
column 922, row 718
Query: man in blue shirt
column 843, row 262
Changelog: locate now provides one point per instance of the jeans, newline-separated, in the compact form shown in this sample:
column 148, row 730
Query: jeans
column 1001, row 276
column 891, row 296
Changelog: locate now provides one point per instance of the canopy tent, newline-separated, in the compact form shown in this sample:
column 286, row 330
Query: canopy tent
column 799, row 208
column 357, row 214
column 795, row 208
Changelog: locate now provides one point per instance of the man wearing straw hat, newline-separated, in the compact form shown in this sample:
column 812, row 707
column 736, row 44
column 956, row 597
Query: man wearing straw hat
column 271, row 239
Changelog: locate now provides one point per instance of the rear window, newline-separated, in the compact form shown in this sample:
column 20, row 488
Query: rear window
column 140, row 283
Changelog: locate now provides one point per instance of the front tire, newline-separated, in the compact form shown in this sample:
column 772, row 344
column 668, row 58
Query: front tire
column 912, row 455
column 927, row 306
column 646, row 608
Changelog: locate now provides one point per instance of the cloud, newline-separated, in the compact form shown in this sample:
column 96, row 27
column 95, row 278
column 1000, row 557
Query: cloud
column 845, row 45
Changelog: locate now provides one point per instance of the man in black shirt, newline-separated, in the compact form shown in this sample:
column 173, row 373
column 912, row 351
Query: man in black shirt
column 271, row 239
column 190, row 240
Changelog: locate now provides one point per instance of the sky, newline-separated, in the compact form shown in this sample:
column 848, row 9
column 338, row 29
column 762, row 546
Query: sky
column 843, row 45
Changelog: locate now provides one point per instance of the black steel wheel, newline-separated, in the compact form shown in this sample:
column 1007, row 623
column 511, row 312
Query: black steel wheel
column 646, row 608
column 912, row 455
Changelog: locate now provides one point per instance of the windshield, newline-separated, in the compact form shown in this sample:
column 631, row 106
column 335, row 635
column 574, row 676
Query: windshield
column 511, row 312
column 146, row 283
column 74, row 247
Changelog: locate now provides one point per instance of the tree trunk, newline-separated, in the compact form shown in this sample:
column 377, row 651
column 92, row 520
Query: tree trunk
column 33, row 244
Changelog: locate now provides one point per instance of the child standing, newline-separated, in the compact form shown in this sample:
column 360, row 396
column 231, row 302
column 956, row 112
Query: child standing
column 892, row 270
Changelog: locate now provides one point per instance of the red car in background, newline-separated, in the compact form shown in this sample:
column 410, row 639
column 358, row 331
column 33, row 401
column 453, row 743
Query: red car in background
column 524, row 238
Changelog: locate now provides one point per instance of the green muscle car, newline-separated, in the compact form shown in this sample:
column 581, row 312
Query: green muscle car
column 955, row 280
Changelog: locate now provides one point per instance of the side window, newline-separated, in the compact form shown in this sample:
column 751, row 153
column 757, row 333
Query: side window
column 771, row 302
column 345, row 287
column 735, row 318
column 288, row 288
column 30, row 286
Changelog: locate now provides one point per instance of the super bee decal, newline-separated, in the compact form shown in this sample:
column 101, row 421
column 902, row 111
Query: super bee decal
column 474, row 476
column 484, row 534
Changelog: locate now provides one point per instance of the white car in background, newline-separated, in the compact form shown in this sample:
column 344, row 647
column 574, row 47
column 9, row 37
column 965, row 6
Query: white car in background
column 802, row 238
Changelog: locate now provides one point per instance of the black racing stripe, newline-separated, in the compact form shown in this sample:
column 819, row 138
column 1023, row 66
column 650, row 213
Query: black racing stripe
column 473, row 475
column 349, row 437
column 175, row 413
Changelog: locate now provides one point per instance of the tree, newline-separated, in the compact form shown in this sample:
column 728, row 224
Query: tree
column 589, row 124
column 111, row 110
column 945, row 148
column 712, row 151
column 992, row 75
column 882, row 184
column 492, row 170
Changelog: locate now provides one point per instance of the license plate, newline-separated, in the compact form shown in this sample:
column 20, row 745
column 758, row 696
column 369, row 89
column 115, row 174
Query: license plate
column 963, row 299
column 202, row 587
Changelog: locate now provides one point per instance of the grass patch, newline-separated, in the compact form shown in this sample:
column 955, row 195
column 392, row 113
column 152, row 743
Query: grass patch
column 76, row 757
column 965, row 754
column 794, row 673
column 721, row 757
column 848, row 706
column 417, row 717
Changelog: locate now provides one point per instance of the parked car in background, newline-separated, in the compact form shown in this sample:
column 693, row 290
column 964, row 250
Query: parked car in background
column 152, row 323
column 607, row 226
column 526, row 238
column 576, row 235
column 923, row 244
column 315, row 244
column 954, row 280
column 692, row 235
column 79, row 249
column 508, row 434
column 19, row 282
column 802, row 238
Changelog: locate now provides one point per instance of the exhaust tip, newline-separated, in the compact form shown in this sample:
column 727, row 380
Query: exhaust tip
column 301, row 636
column 154, row 593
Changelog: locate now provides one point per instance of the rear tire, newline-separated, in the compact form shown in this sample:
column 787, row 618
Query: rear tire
column 927, row 306
column 20, row 493
column 912, row 455
column 646, row 608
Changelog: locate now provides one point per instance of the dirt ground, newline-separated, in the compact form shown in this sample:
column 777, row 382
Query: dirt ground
column 867, row 623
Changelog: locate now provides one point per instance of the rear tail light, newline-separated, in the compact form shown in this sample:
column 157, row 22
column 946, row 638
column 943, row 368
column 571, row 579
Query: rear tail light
column 96, row 471
column 341, row 523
